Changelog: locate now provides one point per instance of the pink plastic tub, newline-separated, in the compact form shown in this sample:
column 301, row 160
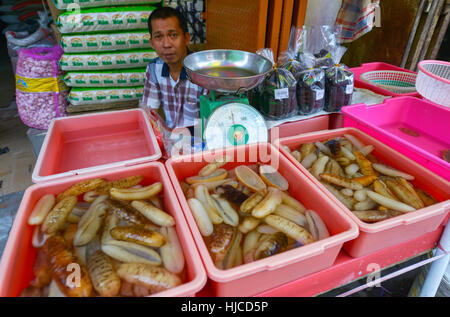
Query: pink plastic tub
column 253, row 278
column 93, row 142
column 16, row 266
column 297, row 127
column 427, row 124
column 383, row 234
column 368, row 67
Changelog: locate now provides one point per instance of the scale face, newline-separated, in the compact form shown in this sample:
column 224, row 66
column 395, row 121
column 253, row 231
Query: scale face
column 234, row 124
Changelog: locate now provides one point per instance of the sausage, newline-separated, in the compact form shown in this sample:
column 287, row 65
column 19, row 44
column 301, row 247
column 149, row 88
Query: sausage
column 56, row 218
column 172, row 252
column 91, row 222
column 41, row 209
column 131, row 252
column 268, row 204
column 138, row 235
column 121, row 183
column 59, row 257
column 81, row 188
column 290, row 229
column 154, row 214
column 155, row 278
column 136, row 193
column 104, row 278
column 201, row 217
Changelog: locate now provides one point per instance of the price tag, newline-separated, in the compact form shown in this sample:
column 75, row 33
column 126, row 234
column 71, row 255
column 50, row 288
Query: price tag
column 319, row 94
column 349, row 89
column 282, row 93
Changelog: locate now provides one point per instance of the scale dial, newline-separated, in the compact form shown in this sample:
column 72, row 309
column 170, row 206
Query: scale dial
column 234, row 124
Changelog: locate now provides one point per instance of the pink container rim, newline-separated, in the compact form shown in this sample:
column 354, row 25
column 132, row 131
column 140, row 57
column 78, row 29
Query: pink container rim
column 347, row 112
column 36, row 178
column 270, row 263
column 430, row 61
column 374, row 66
column 404, row 219
column 185, row 289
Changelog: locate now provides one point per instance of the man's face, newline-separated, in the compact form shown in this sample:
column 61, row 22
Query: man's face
column 168, row 40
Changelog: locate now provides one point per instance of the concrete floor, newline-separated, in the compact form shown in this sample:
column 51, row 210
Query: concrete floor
column 17, row 159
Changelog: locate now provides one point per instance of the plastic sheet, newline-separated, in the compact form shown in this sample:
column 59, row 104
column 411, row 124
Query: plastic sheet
column 40, row 92
column 275, row 97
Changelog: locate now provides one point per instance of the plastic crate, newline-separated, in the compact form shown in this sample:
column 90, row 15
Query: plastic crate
column 252, row 278
column 369, row 67
column 16, row 266
column 301, row 126
column 94, row 142
column 415, row 127
column 383, row 234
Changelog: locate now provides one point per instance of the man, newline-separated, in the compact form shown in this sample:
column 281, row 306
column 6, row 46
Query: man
column 167, row 85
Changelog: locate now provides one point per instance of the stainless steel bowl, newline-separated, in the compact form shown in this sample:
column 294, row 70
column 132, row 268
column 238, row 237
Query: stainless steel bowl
column 226, row 70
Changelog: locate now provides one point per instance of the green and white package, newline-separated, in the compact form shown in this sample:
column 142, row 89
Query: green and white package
column 106, row 60
column 106, row 78
column 104, row 19
column 70, row 4
column 91, row 96
column 105, row 41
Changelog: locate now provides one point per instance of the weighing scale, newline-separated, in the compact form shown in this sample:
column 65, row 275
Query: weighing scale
column 227, row 119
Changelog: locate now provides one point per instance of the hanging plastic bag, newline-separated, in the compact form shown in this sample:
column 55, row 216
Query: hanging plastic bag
column 40, row 92
column 310, row 87
column 275, row 96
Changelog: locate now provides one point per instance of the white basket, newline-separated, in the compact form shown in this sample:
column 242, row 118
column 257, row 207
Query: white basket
column 392, row 80
column 433, row 81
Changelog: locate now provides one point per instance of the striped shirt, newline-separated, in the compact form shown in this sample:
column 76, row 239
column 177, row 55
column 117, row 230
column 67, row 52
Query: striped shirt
column 179, row 99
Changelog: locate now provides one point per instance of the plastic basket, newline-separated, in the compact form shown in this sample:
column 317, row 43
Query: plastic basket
column 433, row 81
column 395, row 81
column 377, row 66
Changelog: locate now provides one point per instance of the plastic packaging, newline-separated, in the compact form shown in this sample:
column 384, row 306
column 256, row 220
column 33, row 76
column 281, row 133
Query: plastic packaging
column 40, row 91
column 104, row 19
column 275, row 96
column 310, row 87
column 339, row 79
column 105, row 41
column 23, row 39
column 107, row 60
column 106, row 78
column 36, row 138
column 339, row 83
column 287, row 59
column 89, row 96
column 66, row 4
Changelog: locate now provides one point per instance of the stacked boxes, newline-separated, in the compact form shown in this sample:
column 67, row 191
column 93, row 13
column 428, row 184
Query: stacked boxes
column 106, row 49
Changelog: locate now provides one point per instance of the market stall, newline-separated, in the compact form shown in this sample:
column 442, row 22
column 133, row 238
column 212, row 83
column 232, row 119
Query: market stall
column 302, row 176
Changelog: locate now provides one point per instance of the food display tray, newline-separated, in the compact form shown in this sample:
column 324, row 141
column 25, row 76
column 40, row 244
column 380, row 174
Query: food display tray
column 383, row 234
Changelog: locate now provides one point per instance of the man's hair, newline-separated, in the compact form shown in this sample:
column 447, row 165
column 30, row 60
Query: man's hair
column 167, row 12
